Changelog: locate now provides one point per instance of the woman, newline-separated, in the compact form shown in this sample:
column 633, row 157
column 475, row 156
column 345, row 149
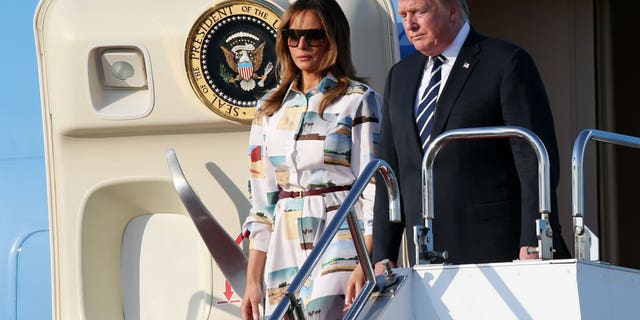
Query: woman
column 311, row 138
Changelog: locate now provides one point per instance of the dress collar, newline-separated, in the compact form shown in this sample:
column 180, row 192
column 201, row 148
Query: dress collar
column 327, row 83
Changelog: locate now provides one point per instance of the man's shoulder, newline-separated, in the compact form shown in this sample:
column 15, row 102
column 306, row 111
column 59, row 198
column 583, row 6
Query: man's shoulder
column 410, row 61
column 499, row 44
column 491, row 44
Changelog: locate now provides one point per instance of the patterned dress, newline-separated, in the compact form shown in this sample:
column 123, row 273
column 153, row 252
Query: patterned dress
column 297, row 149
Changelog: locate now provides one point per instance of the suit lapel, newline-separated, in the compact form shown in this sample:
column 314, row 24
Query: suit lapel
column 464, row 65
column 411, row 76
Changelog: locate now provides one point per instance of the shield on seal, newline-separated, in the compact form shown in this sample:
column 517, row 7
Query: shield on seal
column 245, row 68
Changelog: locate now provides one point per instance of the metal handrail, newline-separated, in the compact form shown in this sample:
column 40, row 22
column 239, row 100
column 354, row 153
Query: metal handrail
column 14, row 255
column 545, row 244
column 229, row 257
column 577, row 182
column 345, row 212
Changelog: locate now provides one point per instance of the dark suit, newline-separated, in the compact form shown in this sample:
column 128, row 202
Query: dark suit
column 486, row 191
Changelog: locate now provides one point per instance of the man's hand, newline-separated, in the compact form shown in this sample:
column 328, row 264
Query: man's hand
column 380, row 267
column 525, row 255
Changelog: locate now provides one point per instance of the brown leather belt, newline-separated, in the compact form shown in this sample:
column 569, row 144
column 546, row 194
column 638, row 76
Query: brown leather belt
column 302, row 193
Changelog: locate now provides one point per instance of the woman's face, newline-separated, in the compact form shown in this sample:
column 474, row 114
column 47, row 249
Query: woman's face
column 307, row 41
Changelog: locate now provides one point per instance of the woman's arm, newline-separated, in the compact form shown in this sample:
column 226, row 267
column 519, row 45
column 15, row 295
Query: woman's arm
column 356, row 280
column 253, row 294
column 259, row 223
column 365, row 140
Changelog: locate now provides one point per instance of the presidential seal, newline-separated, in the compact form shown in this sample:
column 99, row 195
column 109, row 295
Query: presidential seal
column 230, row 57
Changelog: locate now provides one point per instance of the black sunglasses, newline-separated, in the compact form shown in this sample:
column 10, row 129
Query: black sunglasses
column 313, row 37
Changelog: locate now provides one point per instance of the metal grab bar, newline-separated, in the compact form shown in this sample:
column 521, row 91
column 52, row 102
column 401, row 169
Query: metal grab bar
column 543, row 228
column 345, row 212
column 14, row 256
column 224, row 250
column 577, row 182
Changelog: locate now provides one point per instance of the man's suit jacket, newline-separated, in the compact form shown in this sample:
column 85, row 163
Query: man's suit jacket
column 486, row 191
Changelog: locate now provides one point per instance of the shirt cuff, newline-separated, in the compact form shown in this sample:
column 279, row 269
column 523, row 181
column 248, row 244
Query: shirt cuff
column 259, row 237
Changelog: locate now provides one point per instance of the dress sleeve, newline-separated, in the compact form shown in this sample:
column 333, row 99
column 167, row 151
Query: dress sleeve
column 365, row 135
column 263, row 190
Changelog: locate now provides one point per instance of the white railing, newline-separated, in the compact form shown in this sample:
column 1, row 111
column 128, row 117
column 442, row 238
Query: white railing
column 543, row 228
column 582, row 234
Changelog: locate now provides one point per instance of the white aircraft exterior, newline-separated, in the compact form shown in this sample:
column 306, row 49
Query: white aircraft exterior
column 28, row 215
column 91, row 226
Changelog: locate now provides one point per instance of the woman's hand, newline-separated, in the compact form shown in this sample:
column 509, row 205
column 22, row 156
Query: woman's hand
column 253, row 293
column 251, row 302
column 354, row 286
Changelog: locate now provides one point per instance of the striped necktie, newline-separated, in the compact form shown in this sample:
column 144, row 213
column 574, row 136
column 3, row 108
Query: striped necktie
column 427, row 105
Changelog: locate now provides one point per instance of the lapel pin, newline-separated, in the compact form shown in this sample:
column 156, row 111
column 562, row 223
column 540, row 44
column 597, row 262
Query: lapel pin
column 466, row 65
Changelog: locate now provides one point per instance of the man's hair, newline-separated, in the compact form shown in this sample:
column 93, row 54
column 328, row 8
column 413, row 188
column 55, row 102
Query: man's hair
column 465, row 9
column 464, row 12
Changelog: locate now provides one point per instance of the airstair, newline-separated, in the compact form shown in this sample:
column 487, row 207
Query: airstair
column 543, row 288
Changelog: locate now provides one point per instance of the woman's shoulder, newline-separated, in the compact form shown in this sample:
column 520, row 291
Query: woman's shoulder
column 367, row 97
column 357, row 87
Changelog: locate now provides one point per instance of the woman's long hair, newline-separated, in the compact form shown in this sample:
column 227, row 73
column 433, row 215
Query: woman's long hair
column 337, row 59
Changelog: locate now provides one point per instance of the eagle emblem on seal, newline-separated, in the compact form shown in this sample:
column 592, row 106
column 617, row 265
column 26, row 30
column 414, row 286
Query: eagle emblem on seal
column 244, row 58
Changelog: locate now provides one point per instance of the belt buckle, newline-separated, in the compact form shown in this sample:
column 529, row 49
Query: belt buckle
column 297, row 194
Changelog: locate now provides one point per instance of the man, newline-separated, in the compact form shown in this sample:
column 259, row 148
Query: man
column 486, row 191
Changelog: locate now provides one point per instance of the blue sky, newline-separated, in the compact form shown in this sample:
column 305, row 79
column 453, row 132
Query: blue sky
column 20, row 118
column 23, row 205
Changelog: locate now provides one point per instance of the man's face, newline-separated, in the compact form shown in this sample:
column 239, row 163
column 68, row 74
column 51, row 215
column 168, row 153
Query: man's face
column 430, row 26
